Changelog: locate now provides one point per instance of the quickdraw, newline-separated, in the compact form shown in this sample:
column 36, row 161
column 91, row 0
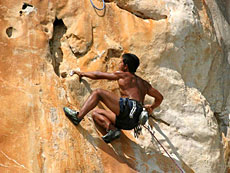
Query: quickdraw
column 96, row 7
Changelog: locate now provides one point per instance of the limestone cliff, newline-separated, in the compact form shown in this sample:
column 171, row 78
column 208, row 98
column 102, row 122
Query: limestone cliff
column 184, row 50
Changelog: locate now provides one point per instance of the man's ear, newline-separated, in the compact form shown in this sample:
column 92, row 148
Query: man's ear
column 126, row 67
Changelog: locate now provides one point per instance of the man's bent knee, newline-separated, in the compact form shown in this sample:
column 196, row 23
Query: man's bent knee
column 94, row 114
column 98, row 92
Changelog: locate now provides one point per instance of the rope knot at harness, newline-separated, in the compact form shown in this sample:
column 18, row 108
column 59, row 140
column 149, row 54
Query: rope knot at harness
column 97, row 7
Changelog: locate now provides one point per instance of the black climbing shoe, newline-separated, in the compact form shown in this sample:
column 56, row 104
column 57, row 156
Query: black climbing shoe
column 111, row 135
column 72, row 115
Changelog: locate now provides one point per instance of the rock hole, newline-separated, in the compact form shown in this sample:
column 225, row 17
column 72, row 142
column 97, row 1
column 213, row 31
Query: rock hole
column 46, row 30
column 9, row 31
column 59, row 29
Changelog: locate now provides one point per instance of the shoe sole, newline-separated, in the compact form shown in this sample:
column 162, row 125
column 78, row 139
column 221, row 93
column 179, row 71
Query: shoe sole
column 71, row 117
column 108, row 141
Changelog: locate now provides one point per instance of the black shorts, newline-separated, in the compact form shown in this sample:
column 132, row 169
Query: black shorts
column 124, row 120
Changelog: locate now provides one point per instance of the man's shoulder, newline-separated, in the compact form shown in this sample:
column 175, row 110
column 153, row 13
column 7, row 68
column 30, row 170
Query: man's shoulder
column 140, row 78
column 143, row 81
column 121, row 73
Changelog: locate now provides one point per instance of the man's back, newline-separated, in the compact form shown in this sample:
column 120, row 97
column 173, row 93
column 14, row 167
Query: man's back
column 132, row 86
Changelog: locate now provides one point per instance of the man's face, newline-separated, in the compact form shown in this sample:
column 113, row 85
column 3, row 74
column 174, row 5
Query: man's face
column 121, row 65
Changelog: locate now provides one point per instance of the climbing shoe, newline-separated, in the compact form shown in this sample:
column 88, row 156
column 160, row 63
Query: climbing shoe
column 72, row 115
column 111, row 135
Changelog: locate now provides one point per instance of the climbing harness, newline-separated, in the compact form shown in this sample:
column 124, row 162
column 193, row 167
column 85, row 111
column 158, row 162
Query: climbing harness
column 152, row 133
column 144, row 116
column 134, row 107
column 96, row 7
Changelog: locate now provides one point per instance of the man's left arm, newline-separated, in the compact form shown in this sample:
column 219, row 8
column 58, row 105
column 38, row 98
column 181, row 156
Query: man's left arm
column 158, row 98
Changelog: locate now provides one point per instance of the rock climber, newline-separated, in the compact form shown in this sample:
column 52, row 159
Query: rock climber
column 123, row 111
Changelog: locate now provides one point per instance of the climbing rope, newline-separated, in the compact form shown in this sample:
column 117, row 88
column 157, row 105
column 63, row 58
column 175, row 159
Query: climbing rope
column 96, row 7
column 148, row 128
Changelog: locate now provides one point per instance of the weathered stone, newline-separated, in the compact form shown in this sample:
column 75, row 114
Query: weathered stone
column 145, row 9
column 183, row 47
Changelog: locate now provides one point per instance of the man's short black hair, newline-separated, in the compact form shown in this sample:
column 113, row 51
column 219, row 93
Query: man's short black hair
column 132, row 61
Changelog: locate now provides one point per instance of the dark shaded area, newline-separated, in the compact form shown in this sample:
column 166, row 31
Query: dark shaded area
column 55, row 44
column 155, row 17
column 223, row 122
column 9, row 31
column 25, row 5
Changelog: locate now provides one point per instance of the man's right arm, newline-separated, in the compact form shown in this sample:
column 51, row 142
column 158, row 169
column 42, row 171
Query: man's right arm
column 96, row 75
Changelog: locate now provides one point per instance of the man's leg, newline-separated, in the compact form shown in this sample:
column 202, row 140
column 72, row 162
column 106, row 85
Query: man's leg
column 108, row 98
column 104, row 118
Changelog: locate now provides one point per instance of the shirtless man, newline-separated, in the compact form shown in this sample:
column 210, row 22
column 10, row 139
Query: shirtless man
column 121, row 113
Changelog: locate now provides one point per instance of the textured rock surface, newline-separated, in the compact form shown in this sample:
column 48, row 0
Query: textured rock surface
column 184, row 51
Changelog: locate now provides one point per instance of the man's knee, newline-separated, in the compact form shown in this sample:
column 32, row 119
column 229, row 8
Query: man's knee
column 95, row 113
column 98, row 92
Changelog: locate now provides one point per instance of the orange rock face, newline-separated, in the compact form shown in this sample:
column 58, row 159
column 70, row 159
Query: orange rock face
column 40, row 42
